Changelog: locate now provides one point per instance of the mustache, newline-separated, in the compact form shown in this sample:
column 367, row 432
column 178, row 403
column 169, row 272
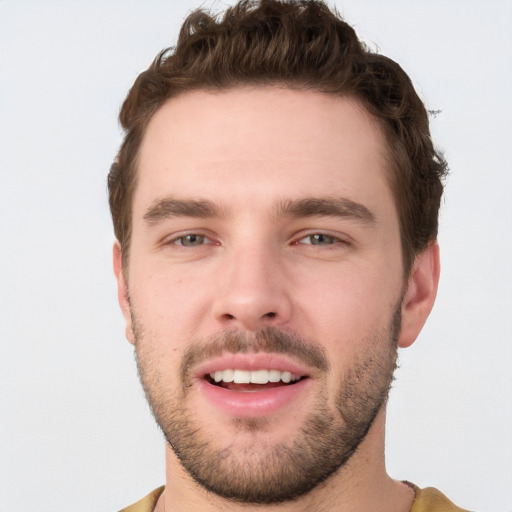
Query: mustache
column 267, row 339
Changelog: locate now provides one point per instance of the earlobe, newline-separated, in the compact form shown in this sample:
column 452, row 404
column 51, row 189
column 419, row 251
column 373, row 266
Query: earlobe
column 420, row 295
column 122, row 290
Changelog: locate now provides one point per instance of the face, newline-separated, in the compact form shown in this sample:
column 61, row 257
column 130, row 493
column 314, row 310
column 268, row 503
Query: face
column 265, row 284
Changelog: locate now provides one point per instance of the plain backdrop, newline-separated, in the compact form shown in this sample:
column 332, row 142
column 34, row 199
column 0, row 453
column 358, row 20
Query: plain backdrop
column 75, row 432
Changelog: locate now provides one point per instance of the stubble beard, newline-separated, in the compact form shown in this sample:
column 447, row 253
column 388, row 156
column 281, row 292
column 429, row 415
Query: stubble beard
column 266, row 472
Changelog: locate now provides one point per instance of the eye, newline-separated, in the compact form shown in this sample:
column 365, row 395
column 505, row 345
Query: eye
column 192, row 240
column 319, row 239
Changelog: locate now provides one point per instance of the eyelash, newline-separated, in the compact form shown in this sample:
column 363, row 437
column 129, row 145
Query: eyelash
column 332, row 240
column 174, row 240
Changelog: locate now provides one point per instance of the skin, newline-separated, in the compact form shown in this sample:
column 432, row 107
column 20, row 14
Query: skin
column 246, row 150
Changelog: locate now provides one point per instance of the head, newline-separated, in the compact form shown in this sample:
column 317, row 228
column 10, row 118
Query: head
column 275, row 201
column 299, row 45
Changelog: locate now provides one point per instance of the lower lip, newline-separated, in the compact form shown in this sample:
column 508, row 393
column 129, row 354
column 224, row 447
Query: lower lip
column 255, row 404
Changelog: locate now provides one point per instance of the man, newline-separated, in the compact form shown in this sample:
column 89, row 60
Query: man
column 275, row 203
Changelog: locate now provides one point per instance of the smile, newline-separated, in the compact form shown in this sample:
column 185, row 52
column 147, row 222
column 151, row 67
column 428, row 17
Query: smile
column 259, row 377
column 252, row 385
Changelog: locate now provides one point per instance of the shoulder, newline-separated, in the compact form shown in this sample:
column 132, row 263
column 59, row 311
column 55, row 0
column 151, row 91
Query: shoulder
column 146, row 504
column 432, row 500
column 426, row 500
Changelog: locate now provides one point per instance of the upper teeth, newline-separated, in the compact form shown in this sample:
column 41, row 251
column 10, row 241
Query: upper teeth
column 253, row 377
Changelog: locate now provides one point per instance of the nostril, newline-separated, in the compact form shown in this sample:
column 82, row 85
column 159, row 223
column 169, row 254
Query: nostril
column 248, row 320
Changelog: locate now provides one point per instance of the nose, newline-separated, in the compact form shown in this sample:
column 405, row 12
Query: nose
column 252, row 291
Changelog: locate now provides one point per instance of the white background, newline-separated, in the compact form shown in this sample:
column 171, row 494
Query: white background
column 75, row 432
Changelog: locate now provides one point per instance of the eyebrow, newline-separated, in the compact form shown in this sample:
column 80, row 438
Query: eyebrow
column 325, row 207
column 169, row 207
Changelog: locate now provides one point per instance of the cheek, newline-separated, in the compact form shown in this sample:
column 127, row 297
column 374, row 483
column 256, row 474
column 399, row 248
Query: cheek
column 169, row 304
column 346, row 295
column 345, row 309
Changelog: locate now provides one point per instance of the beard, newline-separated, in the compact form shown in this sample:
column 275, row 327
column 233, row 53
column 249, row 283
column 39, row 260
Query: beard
column 251, row 468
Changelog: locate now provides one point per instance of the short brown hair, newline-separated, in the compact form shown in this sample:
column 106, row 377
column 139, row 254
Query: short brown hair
column 301, row 45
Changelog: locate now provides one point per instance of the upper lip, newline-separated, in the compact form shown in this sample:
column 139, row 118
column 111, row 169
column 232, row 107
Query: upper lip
column 252, row 361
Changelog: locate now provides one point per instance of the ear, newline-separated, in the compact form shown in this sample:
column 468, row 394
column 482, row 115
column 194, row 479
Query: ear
column 420, row 295
column 122, row 290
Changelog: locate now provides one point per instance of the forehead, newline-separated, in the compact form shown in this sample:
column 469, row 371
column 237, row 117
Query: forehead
column 252, row 142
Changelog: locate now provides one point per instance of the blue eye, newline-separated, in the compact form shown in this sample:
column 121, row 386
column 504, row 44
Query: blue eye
column 193, row 240
column 319, row 239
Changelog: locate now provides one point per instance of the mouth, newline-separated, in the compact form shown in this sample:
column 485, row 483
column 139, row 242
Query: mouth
column 252, row 385
column 250, row 381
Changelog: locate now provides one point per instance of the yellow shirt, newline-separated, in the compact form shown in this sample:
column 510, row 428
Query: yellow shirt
column 426, row 500
column 432, row 500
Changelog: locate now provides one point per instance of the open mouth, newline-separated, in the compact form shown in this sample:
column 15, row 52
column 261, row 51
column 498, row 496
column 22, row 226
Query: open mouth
column 252, row 380
column 254, row 385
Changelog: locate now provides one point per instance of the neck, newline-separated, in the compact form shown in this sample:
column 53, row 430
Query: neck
column 361, row 485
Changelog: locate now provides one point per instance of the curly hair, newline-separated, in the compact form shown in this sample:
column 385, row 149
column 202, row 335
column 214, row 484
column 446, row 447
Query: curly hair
column 298, row 44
